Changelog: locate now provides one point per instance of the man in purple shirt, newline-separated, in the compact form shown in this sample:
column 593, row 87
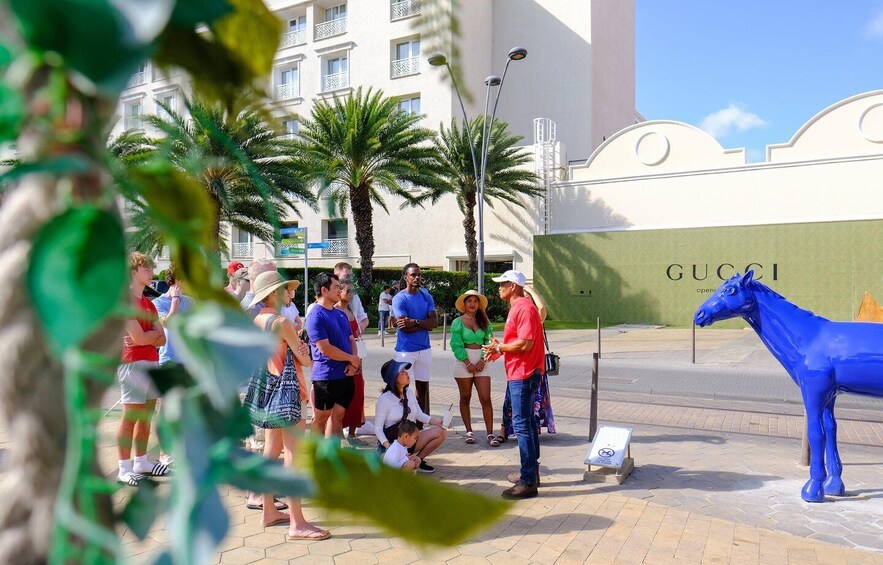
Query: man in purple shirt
column 334, row 360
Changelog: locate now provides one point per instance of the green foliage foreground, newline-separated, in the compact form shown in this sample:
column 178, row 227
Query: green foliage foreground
column 57, row 94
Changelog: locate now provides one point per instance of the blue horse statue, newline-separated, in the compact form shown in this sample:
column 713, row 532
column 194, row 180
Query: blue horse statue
column 823, row 357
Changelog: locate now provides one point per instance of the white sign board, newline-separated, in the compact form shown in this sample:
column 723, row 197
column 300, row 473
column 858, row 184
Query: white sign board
column 609, row 447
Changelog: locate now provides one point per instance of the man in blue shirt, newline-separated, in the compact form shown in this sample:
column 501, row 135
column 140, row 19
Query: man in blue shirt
column 414, row 310
column 334, row 359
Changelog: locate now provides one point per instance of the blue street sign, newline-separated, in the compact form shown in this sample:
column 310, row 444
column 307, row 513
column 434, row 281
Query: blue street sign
column 298, row 231
column 319, row 245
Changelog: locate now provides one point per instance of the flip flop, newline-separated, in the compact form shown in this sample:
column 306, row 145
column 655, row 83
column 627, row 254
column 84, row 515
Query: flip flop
column 278, row 521
column 279, row 505
column 310, row 535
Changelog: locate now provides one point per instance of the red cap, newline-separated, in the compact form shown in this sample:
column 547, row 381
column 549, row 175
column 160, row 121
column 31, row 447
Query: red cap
column 233, row 267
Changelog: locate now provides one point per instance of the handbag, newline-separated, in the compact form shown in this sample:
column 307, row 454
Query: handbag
column 553, row 362
column 274, row 401
column 361, row 348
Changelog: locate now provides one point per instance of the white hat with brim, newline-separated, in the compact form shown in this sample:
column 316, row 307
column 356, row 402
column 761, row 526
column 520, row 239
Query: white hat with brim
column 516, row 277
column 267, row 283
column 460, row 305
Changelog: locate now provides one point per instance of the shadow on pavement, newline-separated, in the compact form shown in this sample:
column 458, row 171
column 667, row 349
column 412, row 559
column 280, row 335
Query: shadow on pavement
column 652, row 476
column 678, row 438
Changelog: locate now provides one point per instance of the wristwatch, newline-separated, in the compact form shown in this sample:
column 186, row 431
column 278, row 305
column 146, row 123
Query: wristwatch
column 416, row 323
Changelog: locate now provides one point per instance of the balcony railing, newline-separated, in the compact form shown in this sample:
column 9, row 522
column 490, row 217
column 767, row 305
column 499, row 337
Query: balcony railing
column 243, row 250
column 335, row 81
column 292, row 38
column 329, row 28
column 336, row 247
column 137, row 79
column 287, row 91
column 404, row 9
column 405, row 67
column 134, row 122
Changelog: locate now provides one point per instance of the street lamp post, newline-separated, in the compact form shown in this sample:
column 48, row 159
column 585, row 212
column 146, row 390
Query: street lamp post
column 515, row 54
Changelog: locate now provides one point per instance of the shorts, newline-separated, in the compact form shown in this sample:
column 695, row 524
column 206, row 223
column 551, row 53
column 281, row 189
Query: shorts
column 136, row 386
column 329, row 393
column 474, row 356
column 421, row 363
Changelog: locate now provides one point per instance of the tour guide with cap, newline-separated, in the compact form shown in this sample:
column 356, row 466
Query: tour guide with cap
column 523, row 352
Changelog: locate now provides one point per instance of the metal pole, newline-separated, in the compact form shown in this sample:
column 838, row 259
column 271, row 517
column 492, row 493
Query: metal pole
column 694, row 343
column 484, row 149
column 593, row 410
column 445, row 332
column 306, row 275
column 599, row 337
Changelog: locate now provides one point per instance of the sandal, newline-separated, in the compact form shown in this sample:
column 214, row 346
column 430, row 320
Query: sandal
column 314, row 534
column 493, row 440
column 470, row 438
column 501, row 439
column 280, row 506
column 131, row 479
column 157, row 470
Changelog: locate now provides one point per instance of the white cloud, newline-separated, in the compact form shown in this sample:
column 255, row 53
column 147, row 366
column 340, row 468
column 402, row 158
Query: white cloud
column 874, row 28
column 732, row 118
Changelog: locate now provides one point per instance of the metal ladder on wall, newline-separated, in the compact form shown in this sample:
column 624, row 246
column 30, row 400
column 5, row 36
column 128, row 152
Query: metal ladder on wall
column 545, row 160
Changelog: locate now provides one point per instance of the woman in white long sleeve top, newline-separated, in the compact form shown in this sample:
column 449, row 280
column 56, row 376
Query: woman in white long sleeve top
column 390, row 410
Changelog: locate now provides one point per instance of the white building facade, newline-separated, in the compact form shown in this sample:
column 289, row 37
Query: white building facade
column 579, row 75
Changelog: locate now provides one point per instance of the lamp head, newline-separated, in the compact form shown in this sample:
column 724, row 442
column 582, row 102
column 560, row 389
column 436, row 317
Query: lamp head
column 493, row 80
column 438, row 60
column 517, row 53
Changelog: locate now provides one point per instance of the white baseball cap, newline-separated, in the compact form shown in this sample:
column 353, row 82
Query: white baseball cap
column 516, row 277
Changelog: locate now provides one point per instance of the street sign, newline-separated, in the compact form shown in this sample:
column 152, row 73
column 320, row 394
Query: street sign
column 286, row 251
column 610, row 447
column 298, row 232
column 319, row 245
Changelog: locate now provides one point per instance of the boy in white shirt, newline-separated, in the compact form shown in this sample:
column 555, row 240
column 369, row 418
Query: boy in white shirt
column 397, row 454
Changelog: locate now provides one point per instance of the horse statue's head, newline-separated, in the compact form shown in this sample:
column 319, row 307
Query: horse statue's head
column 733, row 298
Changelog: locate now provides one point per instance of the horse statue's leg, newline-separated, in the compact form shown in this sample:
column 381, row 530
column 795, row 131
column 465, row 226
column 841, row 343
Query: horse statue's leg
column 833, row 485
column 813, row 390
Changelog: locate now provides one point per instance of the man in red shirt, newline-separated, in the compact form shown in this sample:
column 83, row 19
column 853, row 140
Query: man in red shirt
column 523, row 354
column 138, row 393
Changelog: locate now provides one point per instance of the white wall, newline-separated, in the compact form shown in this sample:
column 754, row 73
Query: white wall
column 668, row 174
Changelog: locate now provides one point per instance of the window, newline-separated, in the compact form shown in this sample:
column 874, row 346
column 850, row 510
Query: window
column 291, row 127
column 297, row 24
column 335, row 13
column 288, row 85
column 410, row 105
column 170, row 102
column 133, row 116
column 336, row 65
column 337, row 229
column 408, row 50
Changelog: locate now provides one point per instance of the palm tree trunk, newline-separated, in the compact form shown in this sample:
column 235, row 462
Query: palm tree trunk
column 471, row 242
column 363, row 217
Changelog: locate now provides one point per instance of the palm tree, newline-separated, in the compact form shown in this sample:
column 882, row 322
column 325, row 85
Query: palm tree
column 245, row 163
column 363, row 146
column 505, row 176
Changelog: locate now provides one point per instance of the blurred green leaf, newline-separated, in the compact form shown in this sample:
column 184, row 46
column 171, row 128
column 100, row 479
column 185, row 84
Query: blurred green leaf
column 77, row 273
column 351, row 482
column 91, row 36
column 12, row 112
column 258, row 474
column 142, row 509
column 63, row 164
column 251, row 32
column 5, row 56
column 189, row 13
column 220, row 347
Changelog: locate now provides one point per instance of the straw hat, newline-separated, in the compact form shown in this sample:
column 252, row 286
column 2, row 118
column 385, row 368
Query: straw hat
column 266, row 283
column 461, row 306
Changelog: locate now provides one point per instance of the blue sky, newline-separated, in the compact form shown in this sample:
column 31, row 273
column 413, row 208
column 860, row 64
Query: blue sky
column 752, row 72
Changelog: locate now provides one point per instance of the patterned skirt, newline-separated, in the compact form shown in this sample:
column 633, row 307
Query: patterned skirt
column 542, row 409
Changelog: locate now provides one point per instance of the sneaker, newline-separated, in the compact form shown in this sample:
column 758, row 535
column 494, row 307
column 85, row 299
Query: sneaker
column 519, row 491
column 425, row 468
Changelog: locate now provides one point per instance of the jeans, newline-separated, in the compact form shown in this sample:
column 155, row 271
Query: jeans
column 381, row 319
column 526, row 426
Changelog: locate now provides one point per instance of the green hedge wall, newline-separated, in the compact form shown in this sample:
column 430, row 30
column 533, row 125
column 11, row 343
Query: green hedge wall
column 445, row 287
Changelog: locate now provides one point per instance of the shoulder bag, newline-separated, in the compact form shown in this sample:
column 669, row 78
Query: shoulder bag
column 553, row 361
column 274, row 401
